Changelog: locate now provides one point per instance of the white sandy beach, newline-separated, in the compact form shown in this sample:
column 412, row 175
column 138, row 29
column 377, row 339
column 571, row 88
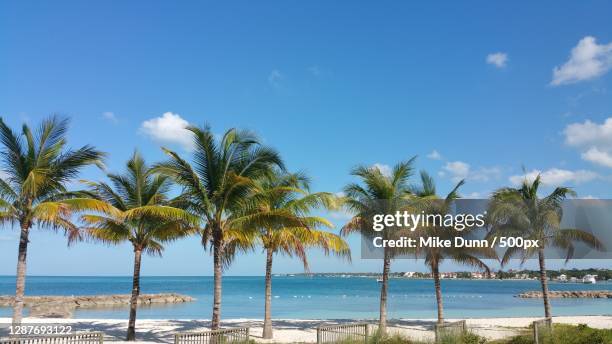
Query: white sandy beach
column 303, row 331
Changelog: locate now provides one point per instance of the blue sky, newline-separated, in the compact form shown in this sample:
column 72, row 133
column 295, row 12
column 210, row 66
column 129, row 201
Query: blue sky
column 488, row 87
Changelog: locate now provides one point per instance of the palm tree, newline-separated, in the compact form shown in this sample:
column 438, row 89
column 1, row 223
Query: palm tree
column 216, row 188
column 36, row 168
column 426, row 200
column 287, row 195
column 378, row 193
column 135, row 209
column 520, row 212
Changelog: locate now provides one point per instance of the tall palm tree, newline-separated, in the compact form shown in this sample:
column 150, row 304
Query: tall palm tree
column 37, row 166
column 520, row 212
column 427, row 200
column 135, row 209
column 216, row 188
column 287, row 195
column 377, row 193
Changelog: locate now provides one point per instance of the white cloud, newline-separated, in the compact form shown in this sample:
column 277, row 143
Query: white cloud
column 110, row 116
column 498, row 59
column 485, row 174
column 384, row 169
column 169, row 128
column 588, row 60
column 589, row 133
column 597, row 156
column 555, row 176
column 340, row 215
column 473, row 195
column 434, row 155
column 275, row 78
column 594, row 140
column 459, row 170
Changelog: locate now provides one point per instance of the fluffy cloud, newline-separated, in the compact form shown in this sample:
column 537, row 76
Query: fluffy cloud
column 434, row 155
column 597, row 156
column 588, row 60
column 594, row 140
column 459, row 170
column 499, row 59
column 384, row 169
column 169, row 128
column 110, row 116
column 555, row 176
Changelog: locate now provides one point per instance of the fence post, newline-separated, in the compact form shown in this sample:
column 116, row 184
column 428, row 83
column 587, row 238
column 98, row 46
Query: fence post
column 319, row 335
column 367, row 332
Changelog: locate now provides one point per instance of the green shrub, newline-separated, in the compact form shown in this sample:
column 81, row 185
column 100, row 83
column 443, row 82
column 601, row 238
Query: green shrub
column 565, row 334
column 581, row 334
column 465, row 338
column 561, row 334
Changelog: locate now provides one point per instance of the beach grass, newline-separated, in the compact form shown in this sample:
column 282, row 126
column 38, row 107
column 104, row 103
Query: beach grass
column 561, row 334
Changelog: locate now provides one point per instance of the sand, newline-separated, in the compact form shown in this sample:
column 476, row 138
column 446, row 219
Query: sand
column 302, row 331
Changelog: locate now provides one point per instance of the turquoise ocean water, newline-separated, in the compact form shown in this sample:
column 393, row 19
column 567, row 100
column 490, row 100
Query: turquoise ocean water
column 301, row 297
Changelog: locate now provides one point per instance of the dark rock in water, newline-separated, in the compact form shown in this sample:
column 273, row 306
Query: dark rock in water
column 569, row 294
column 63, row 306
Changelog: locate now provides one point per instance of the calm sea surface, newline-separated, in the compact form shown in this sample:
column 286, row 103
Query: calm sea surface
column 318, row 297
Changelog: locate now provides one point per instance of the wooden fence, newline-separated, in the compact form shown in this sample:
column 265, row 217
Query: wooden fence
column 77, row 338
column 224, row 336
column 541, row 330
column 450, row 330
column 337, row 333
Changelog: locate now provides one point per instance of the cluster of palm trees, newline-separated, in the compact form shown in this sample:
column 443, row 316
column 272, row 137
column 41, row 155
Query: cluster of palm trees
column 237, row 195
column 511, row 212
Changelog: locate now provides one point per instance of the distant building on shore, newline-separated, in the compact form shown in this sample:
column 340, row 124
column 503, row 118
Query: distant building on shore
column 478, row 275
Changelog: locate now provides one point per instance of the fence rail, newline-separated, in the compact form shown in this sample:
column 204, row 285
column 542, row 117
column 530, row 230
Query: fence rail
column 339, row 333
column 77, row 338
column 450, row 329
column 223, row 336
column 541, row 330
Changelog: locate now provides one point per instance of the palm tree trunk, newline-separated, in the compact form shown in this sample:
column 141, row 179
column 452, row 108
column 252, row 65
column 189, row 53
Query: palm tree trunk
column 131, row 332
column 217, row 262
column 544, row 282
column 267, row 328
column 436, row 276
column 382, row 326
column 21, row 274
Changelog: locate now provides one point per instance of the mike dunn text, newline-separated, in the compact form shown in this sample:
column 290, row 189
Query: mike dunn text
column 431, row 242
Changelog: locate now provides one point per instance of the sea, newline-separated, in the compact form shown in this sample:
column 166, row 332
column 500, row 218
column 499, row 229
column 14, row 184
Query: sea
column 318, row 297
